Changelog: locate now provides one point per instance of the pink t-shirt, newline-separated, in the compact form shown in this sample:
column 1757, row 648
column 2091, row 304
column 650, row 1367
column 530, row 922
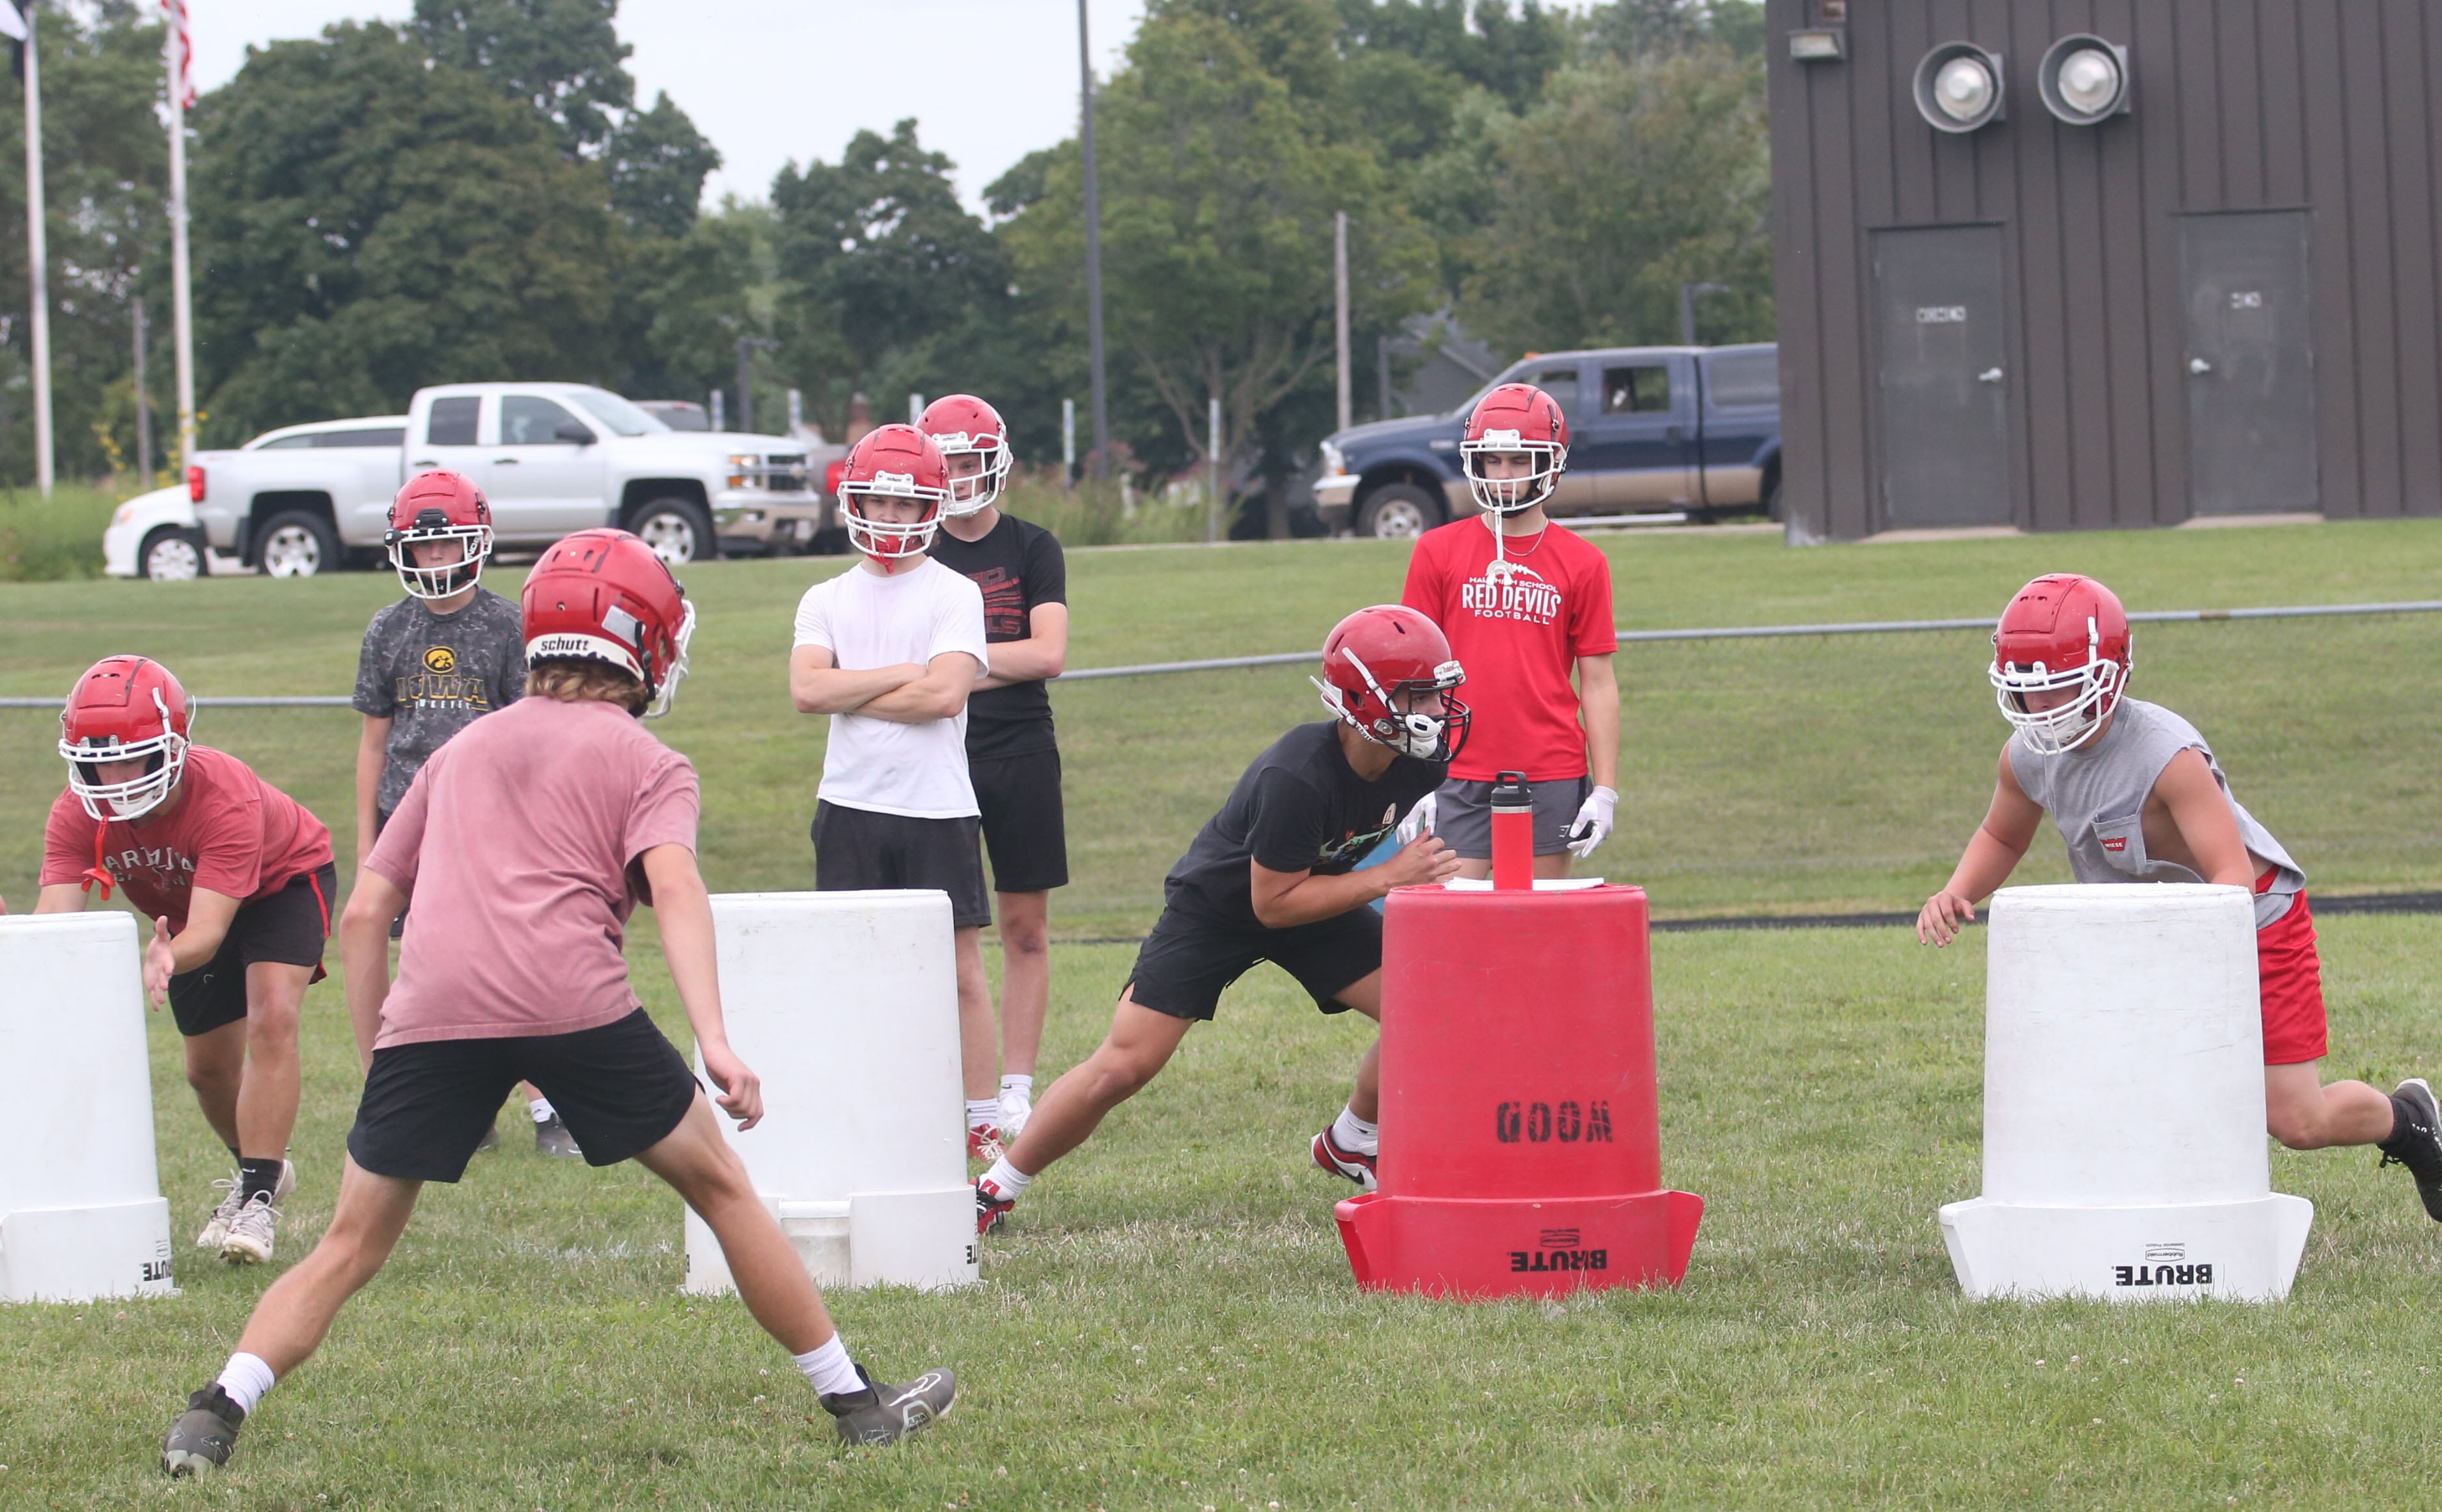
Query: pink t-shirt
column 518, row 840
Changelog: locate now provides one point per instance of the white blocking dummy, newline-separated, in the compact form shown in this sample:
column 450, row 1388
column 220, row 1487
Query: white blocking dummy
column 846, row 1004
column 2125, row 1152
column 81, row 1215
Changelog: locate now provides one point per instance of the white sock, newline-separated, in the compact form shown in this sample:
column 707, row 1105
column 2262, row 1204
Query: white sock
column 983, row 1113
column 829, row 1369
column 1355, row 1134
column 1007, row 1179
column 541, row 1110
column 246, row 1378
column 1022, row 1086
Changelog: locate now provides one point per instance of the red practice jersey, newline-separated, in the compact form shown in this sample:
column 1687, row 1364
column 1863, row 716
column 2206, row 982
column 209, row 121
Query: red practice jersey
column 1518, row 635
column 224, row 828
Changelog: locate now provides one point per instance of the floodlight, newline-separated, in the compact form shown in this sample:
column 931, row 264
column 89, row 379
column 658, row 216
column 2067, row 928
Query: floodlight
column 2083, row 79
column 1959, row 87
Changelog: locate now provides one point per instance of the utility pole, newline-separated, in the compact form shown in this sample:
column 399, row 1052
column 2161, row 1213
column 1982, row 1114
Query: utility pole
column 180, row 47
column 1382, row 376
column 1688, row 293
column 1213, row 461
column 1093, row 255
column 1339, row 303
column 746, row 345
column 38, row 258
column 1068, row 442
column 143, row 401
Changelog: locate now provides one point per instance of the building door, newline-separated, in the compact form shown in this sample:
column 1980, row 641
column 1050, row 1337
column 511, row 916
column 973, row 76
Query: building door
column 1945, row 389
column 2250, row 370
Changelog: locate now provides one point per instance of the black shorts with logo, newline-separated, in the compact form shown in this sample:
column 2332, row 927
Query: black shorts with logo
column 1024, row 827
column 289, row 927
column 621, row 1087
column 1190, row 960
column 859, row 850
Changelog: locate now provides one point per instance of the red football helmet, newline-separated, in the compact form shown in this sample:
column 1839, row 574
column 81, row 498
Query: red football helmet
column 2062, row 632
column 602, row 595
column 1516, row 417
column 1374, row 664
column 437, row 506
column 893, row 462
column 961, row 424
column 125, row 708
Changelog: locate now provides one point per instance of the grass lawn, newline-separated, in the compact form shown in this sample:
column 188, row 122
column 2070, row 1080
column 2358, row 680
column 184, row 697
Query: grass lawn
column 1169, row 1322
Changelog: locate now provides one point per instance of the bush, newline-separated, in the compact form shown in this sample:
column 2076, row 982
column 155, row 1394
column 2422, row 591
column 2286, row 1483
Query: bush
column 46, row 540
column 1094, row 514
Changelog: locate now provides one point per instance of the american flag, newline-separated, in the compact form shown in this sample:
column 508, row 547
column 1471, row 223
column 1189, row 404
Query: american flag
column 184, row 42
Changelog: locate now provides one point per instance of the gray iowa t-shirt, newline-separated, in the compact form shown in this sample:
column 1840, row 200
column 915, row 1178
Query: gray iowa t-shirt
column 432, row 675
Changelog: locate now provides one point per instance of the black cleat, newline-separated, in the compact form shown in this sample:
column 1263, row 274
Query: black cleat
column 2416, row 1141
column 885, row 1414
column 205, row 1434
column 552, row 1139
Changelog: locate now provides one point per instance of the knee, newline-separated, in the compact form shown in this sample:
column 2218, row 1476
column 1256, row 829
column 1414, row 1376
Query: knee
column 2297, row 1127
column 208, row 1077
column 1030, row 937
column 1118, row 1076
column 718, row 1182
column 271, row 1027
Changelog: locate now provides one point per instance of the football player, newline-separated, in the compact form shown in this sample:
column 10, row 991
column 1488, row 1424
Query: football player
column 515, row 971
column 1012, row 757
column 1525, row 604
column 237, row 878
column 1272, row 877
column 890, row 649
column 431, row 663
column 2138, row 796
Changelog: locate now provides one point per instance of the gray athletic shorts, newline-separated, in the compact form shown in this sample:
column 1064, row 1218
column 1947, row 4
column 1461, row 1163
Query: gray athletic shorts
column 1463, row 814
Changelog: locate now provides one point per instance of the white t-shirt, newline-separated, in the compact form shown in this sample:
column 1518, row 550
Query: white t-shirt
column 867, row 621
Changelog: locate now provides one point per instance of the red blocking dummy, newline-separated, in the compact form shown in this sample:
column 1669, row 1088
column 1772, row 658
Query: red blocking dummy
column 1521, row 1144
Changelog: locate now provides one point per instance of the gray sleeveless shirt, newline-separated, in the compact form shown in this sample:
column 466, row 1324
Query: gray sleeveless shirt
column 2096, row 795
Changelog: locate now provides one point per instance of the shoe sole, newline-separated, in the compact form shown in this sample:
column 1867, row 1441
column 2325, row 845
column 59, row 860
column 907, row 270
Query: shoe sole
column 2433, row 1114
column 947, row 1408
column 237, row 1254
column 176, row 1463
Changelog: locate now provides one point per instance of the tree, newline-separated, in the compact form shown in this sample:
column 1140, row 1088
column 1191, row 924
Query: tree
column 1224, row 157
column 1626, row 180
column 657, row 162
column 563, row 58
column 368, row 222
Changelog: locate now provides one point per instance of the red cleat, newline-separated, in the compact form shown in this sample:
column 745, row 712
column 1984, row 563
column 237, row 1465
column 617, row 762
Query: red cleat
column 990, row 1207
column 984, row 1143
column 1339, row 1161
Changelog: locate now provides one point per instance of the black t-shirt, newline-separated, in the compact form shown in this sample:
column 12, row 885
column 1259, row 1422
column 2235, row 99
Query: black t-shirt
column 1300, row 808
column 1018, row 565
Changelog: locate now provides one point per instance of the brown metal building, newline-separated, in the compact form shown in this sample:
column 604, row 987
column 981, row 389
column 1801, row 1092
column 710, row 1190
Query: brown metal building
column 2221, row 299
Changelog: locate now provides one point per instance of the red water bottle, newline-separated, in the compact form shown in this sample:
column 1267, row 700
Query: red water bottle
column 1513, row 833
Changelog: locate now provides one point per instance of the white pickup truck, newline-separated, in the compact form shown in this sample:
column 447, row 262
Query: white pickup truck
column 551, row 458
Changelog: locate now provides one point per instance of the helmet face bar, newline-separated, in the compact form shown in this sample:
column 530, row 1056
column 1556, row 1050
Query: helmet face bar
column 125, row 708
column 440, row 505
column 1378, row 664
column 1515, row 419
column 893, row 462
column 962, row 425
column 2063, row 643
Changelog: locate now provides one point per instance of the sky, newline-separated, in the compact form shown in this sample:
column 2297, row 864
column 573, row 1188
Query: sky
column 771, row 81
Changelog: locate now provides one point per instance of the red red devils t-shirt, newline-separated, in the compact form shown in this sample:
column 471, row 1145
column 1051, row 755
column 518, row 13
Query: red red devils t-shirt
column 224, row 829
column 1518, row 634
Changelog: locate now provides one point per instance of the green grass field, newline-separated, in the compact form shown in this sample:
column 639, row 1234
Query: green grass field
column 1170, row 1321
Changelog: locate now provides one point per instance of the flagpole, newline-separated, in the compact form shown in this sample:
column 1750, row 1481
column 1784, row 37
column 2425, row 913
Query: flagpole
column 182, row 301
column 38, row 261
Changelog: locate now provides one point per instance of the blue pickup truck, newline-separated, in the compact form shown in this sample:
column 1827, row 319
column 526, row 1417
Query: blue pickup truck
column 1651, row 430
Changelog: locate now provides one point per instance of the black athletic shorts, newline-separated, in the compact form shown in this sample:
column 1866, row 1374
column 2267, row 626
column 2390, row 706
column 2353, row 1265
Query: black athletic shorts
column 621, row 1087
column 858, row 851
column 1463, row 814
column 1024, row 829
column 290, row 927
column 1188, row 961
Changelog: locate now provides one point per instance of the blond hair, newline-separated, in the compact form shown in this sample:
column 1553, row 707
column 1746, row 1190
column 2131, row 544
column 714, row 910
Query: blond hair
column 580, row 680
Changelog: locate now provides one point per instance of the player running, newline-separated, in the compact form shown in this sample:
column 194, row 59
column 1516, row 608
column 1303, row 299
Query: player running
column 1013, row 758
column 237, row 878
column 1271, row 877
column 2137, row 796
column 890, row 649
column 1525, row 603
column 449, row 652
column 515, row 971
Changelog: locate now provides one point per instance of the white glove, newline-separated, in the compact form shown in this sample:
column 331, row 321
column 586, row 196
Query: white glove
column 1419, row 821
column 1592, row 824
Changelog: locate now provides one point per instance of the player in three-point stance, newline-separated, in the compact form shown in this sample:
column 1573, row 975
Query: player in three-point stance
column 514, row 972
column 1013, row 758
column 1272, row 877
column 2137, row 796
column 1525, row 603
column 449, row 652
column 237, row 879
column 890, row 649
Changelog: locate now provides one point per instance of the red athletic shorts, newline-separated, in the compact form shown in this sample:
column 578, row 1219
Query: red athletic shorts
column 2290, row 982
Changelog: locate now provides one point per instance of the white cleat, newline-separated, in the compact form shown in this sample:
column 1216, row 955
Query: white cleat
column 250, row 1234
column 216, row 1228
column 1016, row 1108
